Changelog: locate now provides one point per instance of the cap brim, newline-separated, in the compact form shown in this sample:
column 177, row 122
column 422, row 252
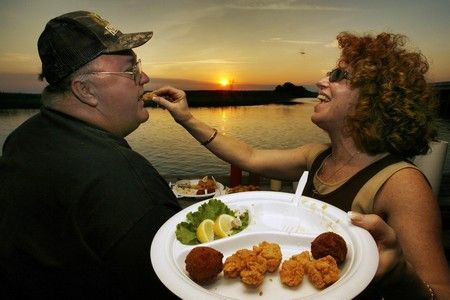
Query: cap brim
column 129, row 41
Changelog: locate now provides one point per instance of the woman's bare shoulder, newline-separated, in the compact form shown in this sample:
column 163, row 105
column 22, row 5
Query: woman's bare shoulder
column 408, row 187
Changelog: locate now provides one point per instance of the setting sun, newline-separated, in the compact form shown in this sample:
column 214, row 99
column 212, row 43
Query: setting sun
column 224, row 82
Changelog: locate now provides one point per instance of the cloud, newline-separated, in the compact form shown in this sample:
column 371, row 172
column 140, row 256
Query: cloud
column 333, row 44
column 281, row 40
column 285, row 5
column 212, row 61
column 16, row 57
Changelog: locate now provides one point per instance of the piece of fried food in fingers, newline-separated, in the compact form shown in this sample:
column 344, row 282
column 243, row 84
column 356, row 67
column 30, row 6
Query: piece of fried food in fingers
column 147, row 96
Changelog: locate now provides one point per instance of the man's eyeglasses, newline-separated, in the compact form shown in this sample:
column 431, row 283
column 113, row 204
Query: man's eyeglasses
column 338, row 75
column 135, row 73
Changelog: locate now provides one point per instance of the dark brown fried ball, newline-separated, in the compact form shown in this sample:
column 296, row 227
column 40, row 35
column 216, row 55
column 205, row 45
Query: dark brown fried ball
column 329, row 243
column 204, row 264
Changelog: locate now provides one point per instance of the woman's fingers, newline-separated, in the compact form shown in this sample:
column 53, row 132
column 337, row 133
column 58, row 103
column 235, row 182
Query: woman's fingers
column 174, row 100
column 170, row 94
column 379, row 229
column 390, row 253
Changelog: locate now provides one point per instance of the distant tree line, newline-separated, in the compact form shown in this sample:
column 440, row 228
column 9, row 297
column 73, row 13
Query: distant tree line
column 290, row 91
column 19, row 100
column 282, row 94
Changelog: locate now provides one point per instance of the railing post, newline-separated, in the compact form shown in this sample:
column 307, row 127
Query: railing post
column 254, row 179
column 235, row 176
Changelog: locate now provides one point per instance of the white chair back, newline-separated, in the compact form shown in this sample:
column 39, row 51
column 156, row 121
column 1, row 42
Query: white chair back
column 432, row 163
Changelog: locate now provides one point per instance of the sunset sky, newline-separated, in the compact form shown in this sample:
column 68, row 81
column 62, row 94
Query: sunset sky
column 208, row 44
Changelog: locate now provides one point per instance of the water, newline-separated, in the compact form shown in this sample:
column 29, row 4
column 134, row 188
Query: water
column 174, row 152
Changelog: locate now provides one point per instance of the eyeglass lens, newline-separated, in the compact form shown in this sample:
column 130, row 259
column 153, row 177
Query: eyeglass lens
column 337, row 75
column 137, row 70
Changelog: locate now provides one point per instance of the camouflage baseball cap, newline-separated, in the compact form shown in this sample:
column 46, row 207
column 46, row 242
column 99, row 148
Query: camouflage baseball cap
column 72, row 40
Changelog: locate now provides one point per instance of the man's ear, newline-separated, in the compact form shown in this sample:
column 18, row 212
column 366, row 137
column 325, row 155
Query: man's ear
column 83, row 91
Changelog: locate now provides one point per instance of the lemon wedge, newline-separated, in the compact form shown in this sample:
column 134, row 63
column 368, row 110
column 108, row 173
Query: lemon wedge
column 205, row 231
column 223, row 225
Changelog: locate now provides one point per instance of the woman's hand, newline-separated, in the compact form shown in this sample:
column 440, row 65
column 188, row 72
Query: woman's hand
column 395, row 278
column 174, row 100
column 389, row 249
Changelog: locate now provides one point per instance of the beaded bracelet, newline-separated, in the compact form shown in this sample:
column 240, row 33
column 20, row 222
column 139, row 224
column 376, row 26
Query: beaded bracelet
column 212, row 137
column 430, row 290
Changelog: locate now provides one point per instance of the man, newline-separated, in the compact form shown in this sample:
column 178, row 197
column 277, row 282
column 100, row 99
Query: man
column 78, row 207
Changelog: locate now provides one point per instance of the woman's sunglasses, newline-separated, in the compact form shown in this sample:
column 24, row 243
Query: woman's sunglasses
column 338, row 75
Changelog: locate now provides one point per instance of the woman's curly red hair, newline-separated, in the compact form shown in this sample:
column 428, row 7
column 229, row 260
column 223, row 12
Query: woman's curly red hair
column 396, row 107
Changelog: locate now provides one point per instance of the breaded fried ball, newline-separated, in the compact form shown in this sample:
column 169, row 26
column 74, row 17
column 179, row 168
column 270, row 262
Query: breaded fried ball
column 329, row 243
column 204, row 264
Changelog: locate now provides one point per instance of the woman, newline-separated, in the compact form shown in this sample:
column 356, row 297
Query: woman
column 377, row 110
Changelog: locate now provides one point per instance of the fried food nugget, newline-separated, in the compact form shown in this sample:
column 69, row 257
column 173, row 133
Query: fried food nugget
column 304, row 258
column 243, row 188
column 235, row 263
column 252, row 277
column 233, row 266
column 251, row 265
column 255, row 268
column 256, row 263
column 147, row 96
column 329, row 243
column 293, row 269
column 323, row 272
column 204, row 264
column 292, row 272
column 271, row 252
column 205, row 185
